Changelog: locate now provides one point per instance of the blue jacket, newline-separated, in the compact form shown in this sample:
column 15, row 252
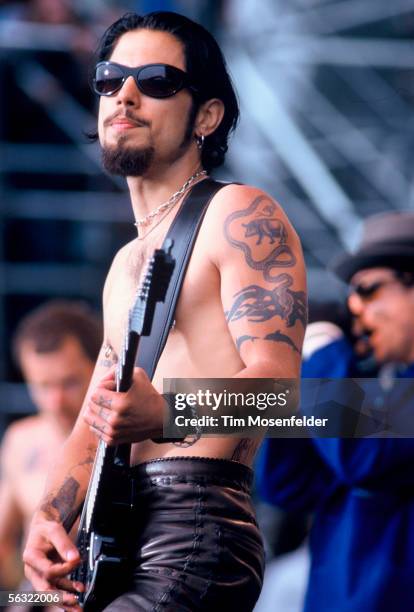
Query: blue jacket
column 361, row 492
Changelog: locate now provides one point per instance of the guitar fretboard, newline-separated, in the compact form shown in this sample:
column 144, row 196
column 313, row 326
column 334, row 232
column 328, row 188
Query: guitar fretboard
column 94, row 482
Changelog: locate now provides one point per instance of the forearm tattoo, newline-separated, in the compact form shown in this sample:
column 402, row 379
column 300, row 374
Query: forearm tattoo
column 62, row 506
column 109, row 358
column 90, row 457
column 261, row 227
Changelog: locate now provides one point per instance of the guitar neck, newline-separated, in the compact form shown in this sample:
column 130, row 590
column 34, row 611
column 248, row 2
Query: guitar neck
column 107, row 508
column 127, row 362
column 108, row 457
column 120, row 455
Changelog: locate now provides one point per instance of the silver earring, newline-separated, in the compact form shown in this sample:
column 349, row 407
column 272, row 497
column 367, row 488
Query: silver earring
column 200, row 141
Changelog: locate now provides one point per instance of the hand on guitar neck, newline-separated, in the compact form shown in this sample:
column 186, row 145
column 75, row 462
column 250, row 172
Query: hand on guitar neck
column 125, row 417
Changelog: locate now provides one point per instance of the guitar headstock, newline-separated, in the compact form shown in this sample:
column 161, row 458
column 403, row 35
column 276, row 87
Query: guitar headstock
column 153, row 289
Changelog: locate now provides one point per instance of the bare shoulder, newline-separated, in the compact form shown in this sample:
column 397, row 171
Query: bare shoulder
column 21, row 434
column 241, row 212
column 24, row 428
column 246, row 199
column 258, row 254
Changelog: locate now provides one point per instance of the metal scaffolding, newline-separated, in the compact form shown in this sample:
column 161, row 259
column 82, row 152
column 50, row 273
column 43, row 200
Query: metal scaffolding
column 326, row 93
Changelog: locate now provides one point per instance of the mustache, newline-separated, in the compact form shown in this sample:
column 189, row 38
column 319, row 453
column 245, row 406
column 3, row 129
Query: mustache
column 127, row 115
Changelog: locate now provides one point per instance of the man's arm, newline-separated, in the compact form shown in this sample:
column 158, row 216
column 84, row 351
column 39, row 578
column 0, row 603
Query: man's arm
column 263, row 287
column 49, row 553
column 263, row 282
column 68, row 482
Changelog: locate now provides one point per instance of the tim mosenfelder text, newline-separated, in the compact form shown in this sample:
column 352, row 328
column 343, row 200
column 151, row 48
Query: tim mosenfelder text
column 229, row 421
column 217, row 401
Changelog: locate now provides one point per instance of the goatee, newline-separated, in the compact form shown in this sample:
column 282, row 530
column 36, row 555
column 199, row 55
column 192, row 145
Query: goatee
column 127, row 161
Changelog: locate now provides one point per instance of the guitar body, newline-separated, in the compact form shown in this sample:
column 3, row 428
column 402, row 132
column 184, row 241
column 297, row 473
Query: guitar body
column 107, row 528
column 109, row 572
column 105, row 541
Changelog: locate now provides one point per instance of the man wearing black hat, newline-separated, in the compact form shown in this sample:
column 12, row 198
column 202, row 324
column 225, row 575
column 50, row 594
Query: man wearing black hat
column 381, row 277
column 361, row 491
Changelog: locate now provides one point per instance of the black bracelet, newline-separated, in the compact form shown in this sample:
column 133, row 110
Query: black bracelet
column 181, row 438
column 192, row 438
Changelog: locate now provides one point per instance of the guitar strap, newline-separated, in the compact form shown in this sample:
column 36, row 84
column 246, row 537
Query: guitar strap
column 183, row 232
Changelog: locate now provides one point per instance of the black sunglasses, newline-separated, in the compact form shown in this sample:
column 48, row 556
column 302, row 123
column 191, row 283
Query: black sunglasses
column 153, row 80
column 367, row 291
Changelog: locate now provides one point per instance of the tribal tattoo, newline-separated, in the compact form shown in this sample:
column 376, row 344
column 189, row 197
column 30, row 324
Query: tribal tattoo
column 261, row 227
column 259, row 304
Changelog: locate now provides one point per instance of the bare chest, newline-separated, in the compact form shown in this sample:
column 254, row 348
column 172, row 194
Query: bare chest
column 199, row 317
column 125, row 288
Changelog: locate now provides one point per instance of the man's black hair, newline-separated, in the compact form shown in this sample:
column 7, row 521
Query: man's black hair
column 204, row 63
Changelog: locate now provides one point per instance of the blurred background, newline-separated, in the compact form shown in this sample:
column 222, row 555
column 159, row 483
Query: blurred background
column 326, row 89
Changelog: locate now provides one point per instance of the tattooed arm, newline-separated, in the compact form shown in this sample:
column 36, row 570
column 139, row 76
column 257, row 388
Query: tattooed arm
column 263, row 289
column 263, row 283
column 67, row 484
column 49, row 553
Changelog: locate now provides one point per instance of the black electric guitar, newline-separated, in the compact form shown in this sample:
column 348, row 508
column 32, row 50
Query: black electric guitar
column 106, row 528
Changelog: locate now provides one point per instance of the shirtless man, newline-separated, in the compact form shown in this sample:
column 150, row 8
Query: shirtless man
column 56, row 347
column 241, row 313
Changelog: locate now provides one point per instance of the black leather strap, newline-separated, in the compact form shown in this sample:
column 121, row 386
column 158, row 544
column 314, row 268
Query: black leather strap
column 183, row 232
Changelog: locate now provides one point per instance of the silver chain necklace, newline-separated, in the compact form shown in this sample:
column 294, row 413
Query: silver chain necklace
column 144, row 221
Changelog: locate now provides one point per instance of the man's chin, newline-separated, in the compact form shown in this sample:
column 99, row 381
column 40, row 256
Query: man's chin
column 127, row 160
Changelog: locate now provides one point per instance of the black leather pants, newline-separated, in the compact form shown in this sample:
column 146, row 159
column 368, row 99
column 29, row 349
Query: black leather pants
column 199, row 547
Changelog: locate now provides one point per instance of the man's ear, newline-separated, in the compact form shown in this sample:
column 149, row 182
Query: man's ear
column 209, row 117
